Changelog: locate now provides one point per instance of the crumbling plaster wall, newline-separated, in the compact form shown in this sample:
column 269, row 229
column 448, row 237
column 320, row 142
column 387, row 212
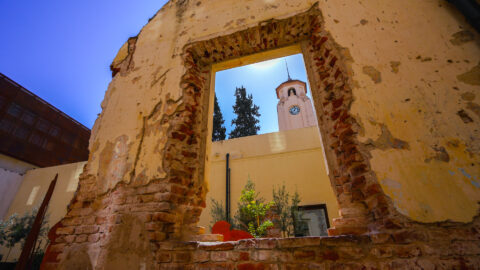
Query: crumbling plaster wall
column 409, row 67
column 419, row 115
column 418, row 107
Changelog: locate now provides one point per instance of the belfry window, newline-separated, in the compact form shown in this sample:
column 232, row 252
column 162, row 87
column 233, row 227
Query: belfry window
column 292, row 90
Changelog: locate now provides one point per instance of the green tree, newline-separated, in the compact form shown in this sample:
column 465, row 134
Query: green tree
column 246, row 122
column 16, row 228
column 252, row 211
column 300, row 226
column 218, row 131
column 290, row 220
column 281, row 197
column 217, row 212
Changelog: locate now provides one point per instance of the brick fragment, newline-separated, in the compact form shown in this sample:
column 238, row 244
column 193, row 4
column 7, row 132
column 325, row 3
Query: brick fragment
column 65, row 230
column 265, row 243
column 251, row 266
column 219, row 256
column 93, row 238
column 216, row 246
column 183, row 257
column 81, row 238
column 200, row 256
column 163, row 216
column 215, row 266
column 304, row 254
column 299, row 242
column 163, row 257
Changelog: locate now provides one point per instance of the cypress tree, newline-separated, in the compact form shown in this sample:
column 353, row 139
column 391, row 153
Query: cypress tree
column 218, row 131
column 246, row 122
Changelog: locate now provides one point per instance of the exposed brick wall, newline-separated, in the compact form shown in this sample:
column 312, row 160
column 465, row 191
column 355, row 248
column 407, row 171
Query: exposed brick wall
column 359, row 195
column 404, row 249
column 143, row 223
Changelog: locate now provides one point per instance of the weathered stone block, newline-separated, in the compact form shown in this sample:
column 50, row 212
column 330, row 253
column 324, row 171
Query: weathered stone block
column 298, row 242
column 304, row 255
column 183, row 257
column 200, row 256
column 216, row 246
column 219, row 256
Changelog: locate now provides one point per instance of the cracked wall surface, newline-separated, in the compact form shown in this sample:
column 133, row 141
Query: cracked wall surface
column 414, row 101
column 396, row 94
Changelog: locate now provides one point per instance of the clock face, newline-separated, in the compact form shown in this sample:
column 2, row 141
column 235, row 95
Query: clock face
column 294, row 110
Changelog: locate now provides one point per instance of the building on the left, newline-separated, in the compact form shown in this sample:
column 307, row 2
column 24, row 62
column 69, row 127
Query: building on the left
column 36, row 141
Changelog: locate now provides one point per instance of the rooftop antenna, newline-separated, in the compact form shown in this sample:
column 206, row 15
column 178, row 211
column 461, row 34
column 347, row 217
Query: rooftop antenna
column 287, row 69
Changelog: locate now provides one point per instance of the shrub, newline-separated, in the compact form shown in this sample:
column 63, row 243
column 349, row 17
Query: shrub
column 217, row 212
column 16, row 229
column 252, row 210
column 289, row 221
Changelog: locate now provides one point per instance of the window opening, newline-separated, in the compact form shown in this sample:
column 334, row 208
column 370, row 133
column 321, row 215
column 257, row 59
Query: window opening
column 15, row 110
column 292, row 91
column 314, row 220
column 28, row 117
column 265, row 129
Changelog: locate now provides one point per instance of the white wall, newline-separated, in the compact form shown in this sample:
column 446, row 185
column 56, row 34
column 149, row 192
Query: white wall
column 11, row 174
column 33, row 188
column 9, row 184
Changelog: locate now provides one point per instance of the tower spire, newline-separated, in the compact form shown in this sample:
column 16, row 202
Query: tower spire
column 287, row 69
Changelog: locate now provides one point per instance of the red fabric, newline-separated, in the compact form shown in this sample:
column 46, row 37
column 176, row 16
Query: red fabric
column 222, row 227
column 239, row 235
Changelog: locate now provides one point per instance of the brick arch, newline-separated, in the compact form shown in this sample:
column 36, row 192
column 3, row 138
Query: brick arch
column 363, row 205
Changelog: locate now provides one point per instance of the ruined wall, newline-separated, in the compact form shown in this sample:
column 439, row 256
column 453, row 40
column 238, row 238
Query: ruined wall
column 403, row 250
column 395, row 88
column 409, row 66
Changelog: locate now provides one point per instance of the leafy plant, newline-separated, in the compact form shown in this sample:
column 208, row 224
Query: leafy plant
column 290, row 220
column 282, row 208
column 16, row 228
column 300, row 226
column 3, row 229
column 252, row 211
column 217, row 212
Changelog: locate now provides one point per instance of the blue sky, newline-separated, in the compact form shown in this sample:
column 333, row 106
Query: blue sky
column 260, row 80
column 61, row 50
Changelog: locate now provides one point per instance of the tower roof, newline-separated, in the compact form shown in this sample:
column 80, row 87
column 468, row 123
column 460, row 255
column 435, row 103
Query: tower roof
column 290, row 81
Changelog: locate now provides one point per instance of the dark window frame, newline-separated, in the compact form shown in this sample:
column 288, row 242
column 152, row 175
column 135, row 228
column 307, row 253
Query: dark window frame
column 322, row 206
column 291, row 89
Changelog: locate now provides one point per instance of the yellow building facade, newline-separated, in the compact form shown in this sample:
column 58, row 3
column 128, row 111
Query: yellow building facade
column 293, row 157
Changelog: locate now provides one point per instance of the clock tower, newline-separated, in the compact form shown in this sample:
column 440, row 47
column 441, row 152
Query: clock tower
column 294, row 108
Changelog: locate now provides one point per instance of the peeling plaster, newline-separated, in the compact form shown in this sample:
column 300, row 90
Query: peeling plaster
column 464, row 116
column 462, row 37
column 373, row 73
column 416, row 105
column 113, row 163
column 424, row 183
column 413, row 127
column 386, row 141
column 440, row 154
column 471, row 77
column 474, row 107
column 129, row 245
column 468, row 96
column 395, row 65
